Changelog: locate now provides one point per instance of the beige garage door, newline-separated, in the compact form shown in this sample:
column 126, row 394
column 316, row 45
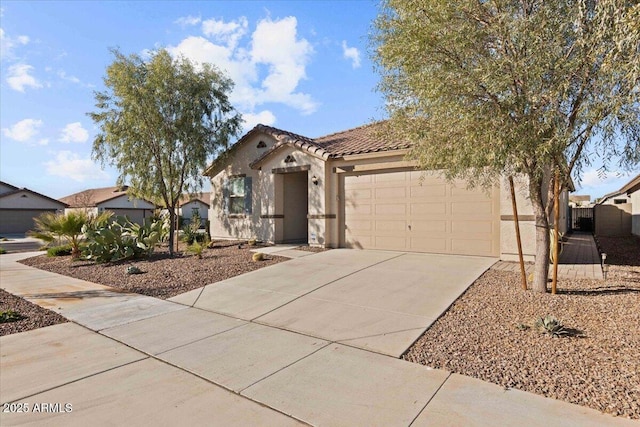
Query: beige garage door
column 398, row 211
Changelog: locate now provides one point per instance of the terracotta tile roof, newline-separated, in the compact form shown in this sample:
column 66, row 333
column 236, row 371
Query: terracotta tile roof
column 93, row 196
column 360, row 140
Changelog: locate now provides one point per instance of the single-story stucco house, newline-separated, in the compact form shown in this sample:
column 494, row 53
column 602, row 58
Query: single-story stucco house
column 114, row 199
column 618, row 213
column 191, row 204
column 19, row 207
column 351, row 189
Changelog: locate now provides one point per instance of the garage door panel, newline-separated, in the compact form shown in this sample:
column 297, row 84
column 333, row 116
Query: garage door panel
column 432, row 208
column 429, row 226
column 390, row 242
column 390, row 225
column 472, row 227
column 428, row 215
column 472, row 208
column 359, row 194
column 428, row 191
column 390, row 209
column 359, row 209
column 360, row 225
column 428, row 245
column 391, row 193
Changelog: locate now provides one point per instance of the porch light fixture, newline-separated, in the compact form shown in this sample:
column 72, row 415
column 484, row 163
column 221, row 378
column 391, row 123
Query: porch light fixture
column 314, row 180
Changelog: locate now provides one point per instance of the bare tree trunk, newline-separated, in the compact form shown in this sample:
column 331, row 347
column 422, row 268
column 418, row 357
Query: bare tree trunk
column 541, row 266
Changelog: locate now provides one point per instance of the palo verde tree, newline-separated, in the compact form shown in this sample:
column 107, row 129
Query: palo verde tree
column 161, row 119
column 525, row 88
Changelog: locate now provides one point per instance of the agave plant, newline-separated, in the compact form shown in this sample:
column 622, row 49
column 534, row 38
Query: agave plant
column 552, row 326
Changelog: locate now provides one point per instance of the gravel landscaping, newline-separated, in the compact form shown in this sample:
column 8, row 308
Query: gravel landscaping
column 489, row 334
column 31, row 315
column 162, row 276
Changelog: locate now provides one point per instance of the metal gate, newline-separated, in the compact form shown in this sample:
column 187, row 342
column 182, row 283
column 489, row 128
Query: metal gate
column 582, row 219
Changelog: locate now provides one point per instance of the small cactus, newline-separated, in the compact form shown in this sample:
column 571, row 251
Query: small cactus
column 132, row 269
column 258, row 256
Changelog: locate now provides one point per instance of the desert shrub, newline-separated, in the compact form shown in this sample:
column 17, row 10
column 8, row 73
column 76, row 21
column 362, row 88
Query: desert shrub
column 68, row 227
column 7, row 316
column 121, row 239
column 62, row 250
column 258, row 256
column 2, row 250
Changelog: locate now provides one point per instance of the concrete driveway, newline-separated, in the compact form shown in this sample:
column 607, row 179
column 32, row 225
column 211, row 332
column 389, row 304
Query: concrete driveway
column 376, row 300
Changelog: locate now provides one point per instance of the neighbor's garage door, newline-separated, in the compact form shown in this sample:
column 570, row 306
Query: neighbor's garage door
column 18, row 221
column 398, row 211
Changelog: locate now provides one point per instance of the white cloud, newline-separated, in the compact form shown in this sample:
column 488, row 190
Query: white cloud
column 74, row 132
column 351, row 53
column 43, row 141
column 274, row 46
column 265, row 117
column 7, row 44
column 63, row 75
column 67, row 164
column 19, row 77
column 24, row 130
column 188, row 20
column 228, row 33
column 592, row 178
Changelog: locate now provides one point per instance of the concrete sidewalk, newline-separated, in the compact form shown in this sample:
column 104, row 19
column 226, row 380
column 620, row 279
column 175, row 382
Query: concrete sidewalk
column 140, row 362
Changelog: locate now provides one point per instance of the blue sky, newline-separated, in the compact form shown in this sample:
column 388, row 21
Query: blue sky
column 299, row 65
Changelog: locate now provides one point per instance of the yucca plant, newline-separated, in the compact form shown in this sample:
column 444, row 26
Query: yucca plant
column 551, row 326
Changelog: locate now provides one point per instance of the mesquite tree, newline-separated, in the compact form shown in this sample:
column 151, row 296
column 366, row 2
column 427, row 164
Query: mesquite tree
column 513, row 87
column 161, row 120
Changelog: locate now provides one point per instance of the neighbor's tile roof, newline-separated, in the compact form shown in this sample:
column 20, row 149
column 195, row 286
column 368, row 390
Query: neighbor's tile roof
column 93, row 196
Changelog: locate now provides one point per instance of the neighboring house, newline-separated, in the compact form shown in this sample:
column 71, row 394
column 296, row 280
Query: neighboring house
column 19, row 207
column 190, row 204
column 578, row 200
column 618, row 213
column 114, row 199
column 351, row 189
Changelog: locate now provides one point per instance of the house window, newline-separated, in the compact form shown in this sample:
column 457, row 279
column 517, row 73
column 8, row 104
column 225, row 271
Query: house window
column 289, row 159
column 236, row 195
column 262, row 144
column 619, row 201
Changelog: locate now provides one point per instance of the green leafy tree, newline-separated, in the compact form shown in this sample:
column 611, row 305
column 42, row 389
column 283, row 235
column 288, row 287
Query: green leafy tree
column 513, row 87
column 68, row 227
column 161, row 120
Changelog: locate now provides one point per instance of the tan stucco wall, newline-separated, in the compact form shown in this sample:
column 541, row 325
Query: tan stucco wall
column 613, row 220
column 635, row 213
column 27, row 200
